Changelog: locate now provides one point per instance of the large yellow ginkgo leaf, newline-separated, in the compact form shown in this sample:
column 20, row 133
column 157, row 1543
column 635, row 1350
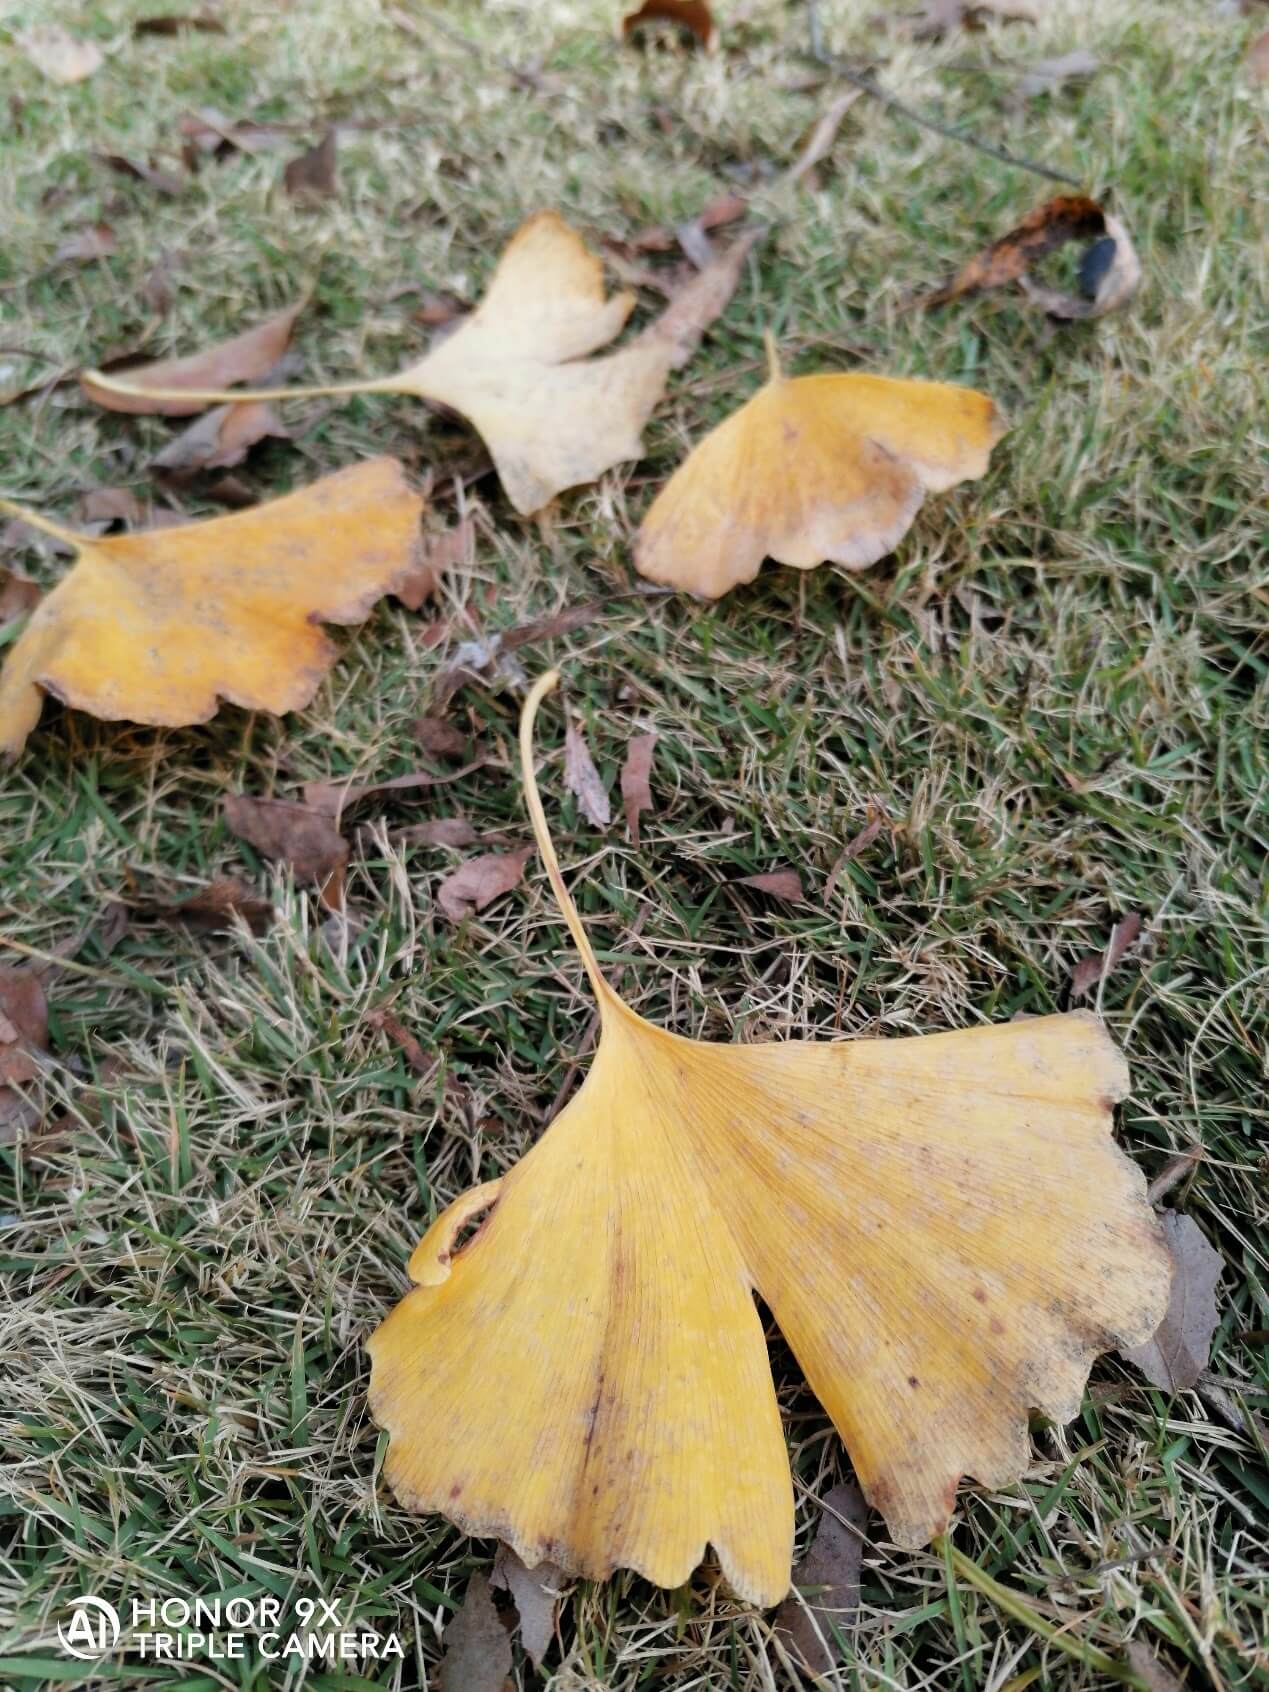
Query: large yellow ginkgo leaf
column 159, row 627
column 812, row 469
column 942, row 1227
column 514, row 369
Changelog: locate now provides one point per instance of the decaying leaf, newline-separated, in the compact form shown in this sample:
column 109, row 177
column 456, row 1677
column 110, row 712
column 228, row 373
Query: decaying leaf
column 583, row 780
column 1153, row 1674
column 23, row 1024
column 692, row 18
column 827, row 1579
column 215, row 907
column 304, row 839
column 636, row 778
column 1178, row 1352
column 438, row 552
column 536, row 1592
column 312, row 175
column 477, row 1646
column 19, row 595
column 245, row 358
column 1257, row 61
column 440, row 738
column 779, row 883
column 938, row 18
column 180, row 23
column 23, row 1034
column 1110, row 273
column 1046, row 76
column 58, row 55
column 942, row 1226
column 851, row 850
column 221, row 438
column 438, row 831
column 141, row 170
column 812, row 468
column 332, row 798
column 515, row 367
column 395, row 1029
column 1092, row 968
column 160, row 627
column 96, row 241
column 475, row 884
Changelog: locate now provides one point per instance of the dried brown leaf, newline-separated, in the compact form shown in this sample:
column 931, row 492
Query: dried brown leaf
column 1066, row 217
column 438, row 831
column 1090, row 969
column 636, row 777
column 477, row 1647
column 58, row 55
column 536, row 1593
column 692, row 18
column 828, row 1580
column 941, row 17
column 101, row 507
column 391, row 1025
column 215, row 906
column 221, row 438
column 142, row 170
column 1257, row 61
column 1047, row 76
column 245, row 358
column 582, row 778
column 23, row 1023
column 19, row 595
column 439, row 738
column 331, row 798
column 819, row 144
column 96, row 241
column 297, row 835
column 439, row 552
column 312, row 175
column 1150, row 1670
column 474, row 885
column 176, row 23
column 1179, row 1351
column 780, row 884
column 853, row 847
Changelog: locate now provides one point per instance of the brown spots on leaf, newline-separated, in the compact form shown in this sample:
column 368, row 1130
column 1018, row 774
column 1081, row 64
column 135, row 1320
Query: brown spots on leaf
column 980, row 1294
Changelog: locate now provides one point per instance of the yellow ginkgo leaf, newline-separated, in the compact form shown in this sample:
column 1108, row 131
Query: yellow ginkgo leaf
column 943, row 1228
column 513, row 367
column 812, row 469
column 160, row 627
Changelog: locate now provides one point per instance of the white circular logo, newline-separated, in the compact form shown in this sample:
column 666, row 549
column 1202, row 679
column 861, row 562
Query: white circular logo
column 93, row 1628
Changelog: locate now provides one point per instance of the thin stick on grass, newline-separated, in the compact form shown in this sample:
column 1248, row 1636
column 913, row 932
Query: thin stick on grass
column 868, row 85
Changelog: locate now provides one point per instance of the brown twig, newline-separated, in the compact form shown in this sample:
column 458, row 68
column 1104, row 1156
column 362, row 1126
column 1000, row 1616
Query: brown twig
column 867, row 85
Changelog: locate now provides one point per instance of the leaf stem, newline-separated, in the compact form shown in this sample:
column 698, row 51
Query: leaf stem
column 547, row 683
column 46, row 524
column 774, row 372
column 232, row 396
column 1013, row 1604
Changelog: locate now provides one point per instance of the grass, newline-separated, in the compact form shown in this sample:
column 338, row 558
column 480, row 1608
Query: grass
column 1055, row 692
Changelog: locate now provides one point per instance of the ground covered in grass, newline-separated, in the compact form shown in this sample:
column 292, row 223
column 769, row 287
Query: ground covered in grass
column 1054, row 696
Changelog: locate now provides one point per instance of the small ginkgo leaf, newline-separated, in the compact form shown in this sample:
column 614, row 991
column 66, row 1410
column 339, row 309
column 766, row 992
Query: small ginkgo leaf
column 160, row 627
column 942, row 1226
column 516, row 366
column 812, row 469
